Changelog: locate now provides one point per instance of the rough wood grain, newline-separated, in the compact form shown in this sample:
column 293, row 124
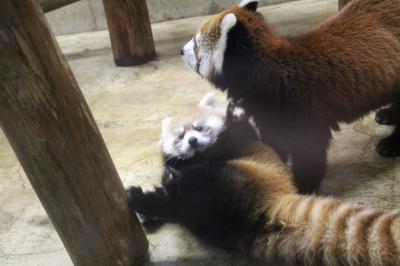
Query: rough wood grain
column 51, row 129
column 130, row 31
column 49, row 5
column 342, row 3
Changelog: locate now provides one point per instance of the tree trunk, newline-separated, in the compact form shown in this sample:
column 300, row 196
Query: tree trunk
column 53, row 133
column 130, row 31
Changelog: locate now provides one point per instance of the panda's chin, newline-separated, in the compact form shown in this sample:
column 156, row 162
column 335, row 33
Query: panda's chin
column 193, row 152
column 187, row 155
column 189, row 64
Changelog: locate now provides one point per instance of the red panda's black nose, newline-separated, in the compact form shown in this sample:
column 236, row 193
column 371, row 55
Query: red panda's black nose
column 182, row 52
column 192, row 141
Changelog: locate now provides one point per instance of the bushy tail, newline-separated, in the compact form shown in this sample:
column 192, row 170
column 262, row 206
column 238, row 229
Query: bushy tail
column 313, row 230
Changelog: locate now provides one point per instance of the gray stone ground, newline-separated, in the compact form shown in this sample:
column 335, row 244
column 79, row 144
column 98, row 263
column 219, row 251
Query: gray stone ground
column 129, row 103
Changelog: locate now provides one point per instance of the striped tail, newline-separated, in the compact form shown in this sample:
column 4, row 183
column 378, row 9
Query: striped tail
column 313, row 230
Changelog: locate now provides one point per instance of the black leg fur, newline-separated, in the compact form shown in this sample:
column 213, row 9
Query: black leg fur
column 390, row 146
column 386, row 116
column 151, row 206
column 309, row 161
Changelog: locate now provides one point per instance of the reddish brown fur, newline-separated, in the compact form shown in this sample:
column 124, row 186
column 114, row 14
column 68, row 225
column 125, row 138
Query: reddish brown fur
column 311, row 230
column 299, row 87
column 356, row 40
column 330, row 238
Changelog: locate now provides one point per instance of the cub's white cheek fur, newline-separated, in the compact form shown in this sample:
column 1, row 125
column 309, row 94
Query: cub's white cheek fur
column 185, row 147
column 216, row 124
column 168, row 146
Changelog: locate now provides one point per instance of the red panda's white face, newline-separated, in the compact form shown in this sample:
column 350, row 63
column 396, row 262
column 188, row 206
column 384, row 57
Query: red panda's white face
column 185, row 135
column 204, row 53
column 192, row 132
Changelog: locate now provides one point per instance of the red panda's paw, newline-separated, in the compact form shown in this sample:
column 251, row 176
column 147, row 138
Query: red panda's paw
column 134, row 195
column 150, row 223
column 386, row 116
column 389, row 146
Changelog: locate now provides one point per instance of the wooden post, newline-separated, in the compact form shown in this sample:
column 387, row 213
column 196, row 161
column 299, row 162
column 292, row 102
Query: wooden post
column 130, row 31
column 342, row 3
column 49, row 5
column 53, row 133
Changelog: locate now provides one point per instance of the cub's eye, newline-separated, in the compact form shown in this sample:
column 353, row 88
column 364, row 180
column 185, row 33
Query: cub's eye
column 181, row 135
column 198, row 128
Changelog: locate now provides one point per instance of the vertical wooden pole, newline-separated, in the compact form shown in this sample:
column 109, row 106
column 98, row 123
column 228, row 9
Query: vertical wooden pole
column 342, row 3
column 53, row 133
column 130, row 31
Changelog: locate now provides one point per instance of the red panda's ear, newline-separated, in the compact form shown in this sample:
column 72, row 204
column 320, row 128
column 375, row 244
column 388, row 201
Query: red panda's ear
column 235, row 112
column 164, row 125
column 228, row 22
column 209, row 101
column 249, row 5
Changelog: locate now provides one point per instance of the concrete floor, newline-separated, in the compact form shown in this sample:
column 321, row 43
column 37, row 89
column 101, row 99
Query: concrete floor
column 129, row 103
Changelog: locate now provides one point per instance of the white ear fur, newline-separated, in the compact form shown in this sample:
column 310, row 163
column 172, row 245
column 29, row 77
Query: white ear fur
column 228, row 22
column 164, row 125
column 209, row 101
column 239, row 113
column 249, row 4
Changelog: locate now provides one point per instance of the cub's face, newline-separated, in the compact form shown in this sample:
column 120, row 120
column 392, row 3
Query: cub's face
column 205, row 52
column 185, row 135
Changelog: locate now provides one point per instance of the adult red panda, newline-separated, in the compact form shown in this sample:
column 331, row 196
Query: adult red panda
column 299, row 87
column 233, row 191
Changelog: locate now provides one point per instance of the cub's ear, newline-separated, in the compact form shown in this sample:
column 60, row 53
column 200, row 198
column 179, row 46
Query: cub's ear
column 239, row 113
column 249, row 5
column 235, row 112
column 164, row 125
column 209, row 101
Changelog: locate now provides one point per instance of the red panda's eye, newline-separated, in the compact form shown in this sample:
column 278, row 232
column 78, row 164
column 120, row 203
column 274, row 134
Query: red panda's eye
column 199, row 128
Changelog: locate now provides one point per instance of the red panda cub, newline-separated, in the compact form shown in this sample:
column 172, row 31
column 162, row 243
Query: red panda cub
column 299, row 87
column 234, row 192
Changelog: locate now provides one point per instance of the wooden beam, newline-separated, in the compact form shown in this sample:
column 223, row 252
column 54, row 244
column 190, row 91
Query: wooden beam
column 50, row 5
column 55, row 137
column 342, row 3
column 130, row 31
